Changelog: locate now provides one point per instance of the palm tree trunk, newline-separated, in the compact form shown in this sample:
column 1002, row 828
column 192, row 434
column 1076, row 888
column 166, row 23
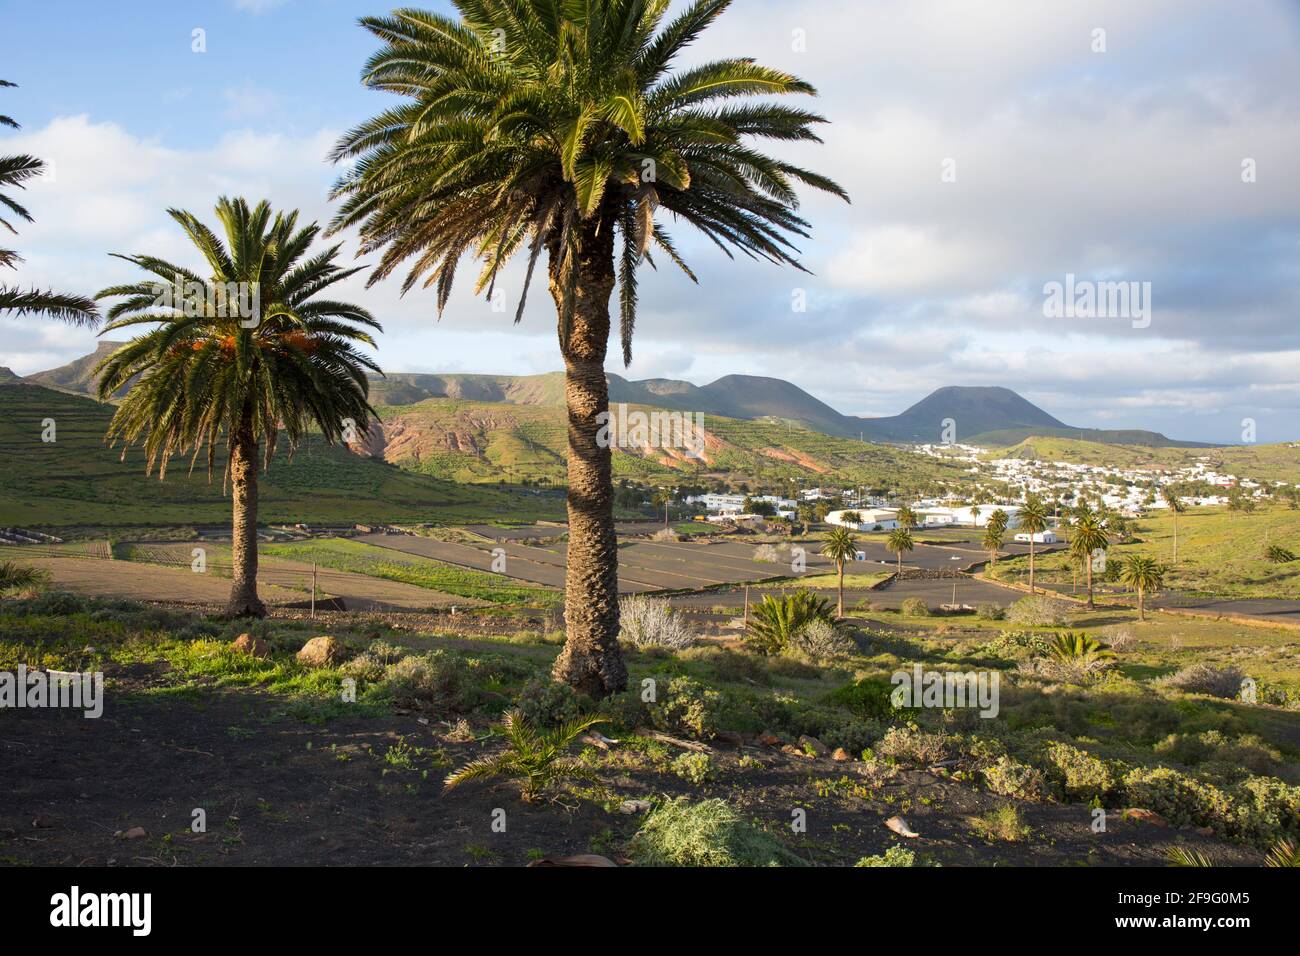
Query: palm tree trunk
column 590, row 661
column 840, row 611
column 1142, row 605
column 1031, row 562
column 1089, row 572
column 244, row 601
column 1175, row 537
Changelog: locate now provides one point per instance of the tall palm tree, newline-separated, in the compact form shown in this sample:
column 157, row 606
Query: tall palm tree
column 74, row 309
column 538, row 126
column 899, row 540
column 1176, row 507
column 1033, row 519
column 907, row 517
column 1086, row 536
column 1143, row 574
column 840, row 548
column 998, row 520
column 216, row 371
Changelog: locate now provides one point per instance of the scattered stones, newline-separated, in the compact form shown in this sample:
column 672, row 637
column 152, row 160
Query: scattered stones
column 769, row 739
column 324, row 651
column 794, row 751
column 43, row 822
column 248, row 644
column 899, row 826
column 135, row 833
column 631, row 807
column 840, row 755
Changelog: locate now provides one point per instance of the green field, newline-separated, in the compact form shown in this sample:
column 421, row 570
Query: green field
column 1220, row 553
column 77, row 480
column 344, row 555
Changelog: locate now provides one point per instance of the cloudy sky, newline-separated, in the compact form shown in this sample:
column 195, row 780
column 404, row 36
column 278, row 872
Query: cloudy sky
column 989, row 148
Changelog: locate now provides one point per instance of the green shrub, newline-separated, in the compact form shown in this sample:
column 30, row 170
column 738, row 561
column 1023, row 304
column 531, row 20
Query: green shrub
column 912, row 747
column 914, row 607
column 547, row 703
column 820, row 639
column 1226, row 757
column 1078, row 774
column 708, row 833
column 433, row 682
column 688, row 708
column 1009, row 777
column 989, row 612
column 1038, row 610
column 896, row 855
column 869, row 697
column 696, row 768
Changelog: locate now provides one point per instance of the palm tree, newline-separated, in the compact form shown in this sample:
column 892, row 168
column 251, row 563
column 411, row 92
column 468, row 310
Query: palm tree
column 238, row 357
column 899, row 540
column 1176, row 507
column 1143, row 574
column 74, row 309
column 663, row 496
column 907, row 517
column 18, row 577
column 992, row 542
column 1033, row 519
column 840, row 548
column 998, row 520
column 1087, row 535
column 537, row 126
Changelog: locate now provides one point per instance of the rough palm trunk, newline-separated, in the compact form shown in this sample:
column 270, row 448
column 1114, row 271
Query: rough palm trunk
column 839, row 612
column 1089, row 572
column 244, row 601
column 1031, row 562
column 590, row 661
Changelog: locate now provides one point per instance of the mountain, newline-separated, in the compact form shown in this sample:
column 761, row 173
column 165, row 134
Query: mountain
column 7, row 376
column 76, row 377
column 990, row 416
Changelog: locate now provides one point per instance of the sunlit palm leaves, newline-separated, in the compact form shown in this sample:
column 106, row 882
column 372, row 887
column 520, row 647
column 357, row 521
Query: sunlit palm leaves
column 525, row 118
column 537, row 758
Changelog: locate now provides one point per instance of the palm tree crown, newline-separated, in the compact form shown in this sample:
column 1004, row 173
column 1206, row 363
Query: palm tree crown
column 528, row 119
column 840, row 548
column 208, row 371
column 15, row 171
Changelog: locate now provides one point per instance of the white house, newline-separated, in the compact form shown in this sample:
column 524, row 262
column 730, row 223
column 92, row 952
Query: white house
column 1041, row 537
column 872, row 519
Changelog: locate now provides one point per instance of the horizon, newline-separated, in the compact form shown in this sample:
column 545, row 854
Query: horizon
column 971, row 197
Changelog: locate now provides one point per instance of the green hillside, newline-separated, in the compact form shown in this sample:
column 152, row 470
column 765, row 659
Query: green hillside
column 78, row 480
column 487, row 441
column 1278, row 462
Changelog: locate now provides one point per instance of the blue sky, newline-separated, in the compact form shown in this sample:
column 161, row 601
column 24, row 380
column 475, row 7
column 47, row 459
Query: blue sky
column 1122, row 164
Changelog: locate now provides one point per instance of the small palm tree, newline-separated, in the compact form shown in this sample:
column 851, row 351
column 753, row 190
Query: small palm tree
column 840, row 548
column 775, row 622
column 907, row 517
column 1079, row 647
column 534, row 126
column 993, row 538
column 211, row 372
column 1176, row 507
column 1284, row 854
column 74, row 309
column 899, row 540
column 1143, row 574
column 538, row 758
column 1033, row 519
column 17, row 577
column 1088, row 534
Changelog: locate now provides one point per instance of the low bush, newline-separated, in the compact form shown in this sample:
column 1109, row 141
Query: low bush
column 1009, row 777
column 695, row 768
column 894, row 856
column 688, row 708
column 914, row 607
column 989, row 612
column 820, row 640
column 1222, row 682
column 650, row 622
column 708, row 833
column 1038, row 610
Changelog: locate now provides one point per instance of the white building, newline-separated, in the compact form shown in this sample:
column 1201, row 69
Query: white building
column 871, row 519
column 1040, row 537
